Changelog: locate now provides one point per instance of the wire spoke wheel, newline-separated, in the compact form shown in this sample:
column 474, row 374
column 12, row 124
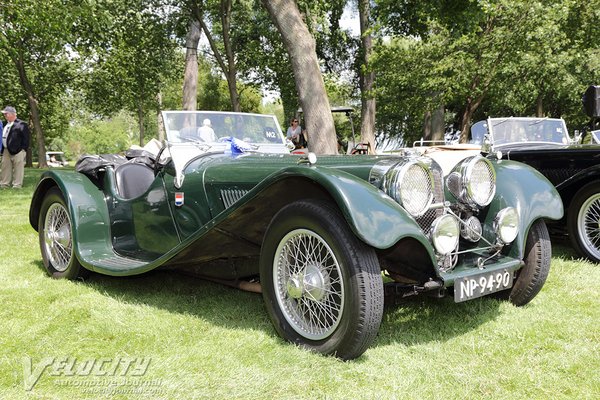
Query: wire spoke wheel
column 588, row 225
column 309, row 285
column 55, row 231
column 322, row 286
column 57, row 237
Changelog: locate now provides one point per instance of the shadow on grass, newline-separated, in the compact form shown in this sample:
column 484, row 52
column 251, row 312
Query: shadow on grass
column 420, row 320
column 416, row 321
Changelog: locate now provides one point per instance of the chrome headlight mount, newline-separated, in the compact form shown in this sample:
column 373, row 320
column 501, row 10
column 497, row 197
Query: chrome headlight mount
column 473, row 182
column 410, row 183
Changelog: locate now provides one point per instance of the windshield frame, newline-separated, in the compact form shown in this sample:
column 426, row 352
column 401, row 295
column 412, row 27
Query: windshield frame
column 555, row 132
column 182, row 152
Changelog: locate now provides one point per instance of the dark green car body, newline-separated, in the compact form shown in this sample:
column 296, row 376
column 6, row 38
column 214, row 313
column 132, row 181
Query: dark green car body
column 115, row 236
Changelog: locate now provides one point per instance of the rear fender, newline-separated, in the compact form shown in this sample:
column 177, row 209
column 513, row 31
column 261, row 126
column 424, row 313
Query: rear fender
column 87, row 210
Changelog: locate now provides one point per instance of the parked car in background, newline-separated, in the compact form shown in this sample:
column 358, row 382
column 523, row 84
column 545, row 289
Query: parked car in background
column 573, row 168
column 56, row 159
column 313, row 234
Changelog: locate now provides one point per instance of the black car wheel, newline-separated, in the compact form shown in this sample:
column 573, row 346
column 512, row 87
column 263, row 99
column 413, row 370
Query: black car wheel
column 321, row 285
column 584, row 221
column 530, row 279
column 56, row 238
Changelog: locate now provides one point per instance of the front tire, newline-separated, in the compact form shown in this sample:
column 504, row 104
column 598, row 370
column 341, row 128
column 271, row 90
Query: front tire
column 584, row 221
column 322, row 286
column 531, row 278
column 56, row 238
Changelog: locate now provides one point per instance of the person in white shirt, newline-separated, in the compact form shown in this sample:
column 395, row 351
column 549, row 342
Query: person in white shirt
column 206, row 132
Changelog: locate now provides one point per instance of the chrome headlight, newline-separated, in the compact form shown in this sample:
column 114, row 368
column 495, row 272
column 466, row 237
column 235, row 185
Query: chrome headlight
column 410, row 183
column 507, row 224
column 444, row 233
column 475, row 182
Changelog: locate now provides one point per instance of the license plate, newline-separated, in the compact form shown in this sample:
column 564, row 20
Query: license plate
column 471, row 287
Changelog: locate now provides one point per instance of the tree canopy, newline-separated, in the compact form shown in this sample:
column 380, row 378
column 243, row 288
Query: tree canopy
column 71, row 63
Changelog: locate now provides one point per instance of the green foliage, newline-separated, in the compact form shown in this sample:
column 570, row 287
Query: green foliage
column 101, row 136
column 39, row 46
column 138, row 59
column 501, row 57
column 508, row 58
column 213, row 93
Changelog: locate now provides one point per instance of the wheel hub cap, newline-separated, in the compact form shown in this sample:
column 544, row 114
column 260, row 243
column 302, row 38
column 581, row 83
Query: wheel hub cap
column 312, row 282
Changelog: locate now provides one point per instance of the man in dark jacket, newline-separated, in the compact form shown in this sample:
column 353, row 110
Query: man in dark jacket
column 15, row 141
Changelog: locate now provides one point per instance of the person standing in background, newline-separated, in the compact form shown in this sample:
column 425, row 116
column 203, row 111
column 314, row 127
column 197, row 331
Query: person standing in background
column 1, row 130
column 294, row 132
column 15, row 141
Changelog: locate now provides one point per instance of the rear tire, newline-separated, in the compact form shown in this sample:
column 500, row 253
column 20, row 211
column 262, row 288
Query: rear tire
column 322, row 286
column 583, row 221
column 55, row 233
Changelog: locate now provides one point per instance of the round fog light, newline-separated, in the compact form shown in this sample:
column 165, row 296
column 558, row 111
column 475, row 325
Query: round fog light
column 507, row 224
column 471, row 229
column 444, row 233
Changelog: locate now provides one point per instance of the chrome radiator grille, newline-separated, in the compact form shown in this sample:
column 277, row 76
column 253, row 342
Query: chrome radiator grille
column 230, row 196
column 427, row 219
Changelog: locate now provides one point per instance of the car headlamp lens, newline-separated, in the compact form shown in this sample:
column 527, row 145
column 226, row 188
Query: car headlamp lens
column 480, row 181
column 445, row 234
column 507, row 225
column 410, row 184
column 474, row 182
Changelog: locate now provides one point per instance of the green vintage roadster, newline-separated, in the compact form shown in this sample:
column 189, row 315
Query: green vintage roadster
column 224, row 199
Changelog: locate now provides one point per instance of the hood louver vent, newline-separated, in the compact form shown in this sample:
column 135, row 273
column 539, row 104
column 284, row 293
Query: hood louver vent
column 231, row 196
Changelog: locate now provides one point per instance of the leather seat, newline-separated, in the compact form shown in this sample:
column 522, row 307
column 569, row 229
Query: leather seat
column 133, row 179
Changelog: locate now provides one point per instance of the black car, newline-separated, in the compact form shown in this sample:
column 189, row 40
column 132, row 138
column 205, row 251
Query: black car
column 573, row 168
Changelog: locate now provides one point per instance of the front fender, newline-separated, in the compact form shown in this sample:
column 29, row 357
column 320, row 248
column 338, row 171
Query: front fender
column 373, row 216
column 526, row 189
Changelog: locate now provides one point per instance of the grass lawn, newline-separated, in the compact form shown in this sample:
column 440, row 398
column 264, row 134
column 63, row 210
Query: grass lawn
column 203, row 340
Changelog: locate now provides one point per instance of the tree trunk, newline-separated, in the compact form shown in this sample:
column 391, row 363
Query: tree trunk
column 437, row 124
column 465, row 123
column 367, row 111
column 539, row 106
column 159, row 121
column 35, row 113
column 301, row 48
column 190, row 75
column 433, row 125
column 229, row 69
column 141, row 121
column 427, row 126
